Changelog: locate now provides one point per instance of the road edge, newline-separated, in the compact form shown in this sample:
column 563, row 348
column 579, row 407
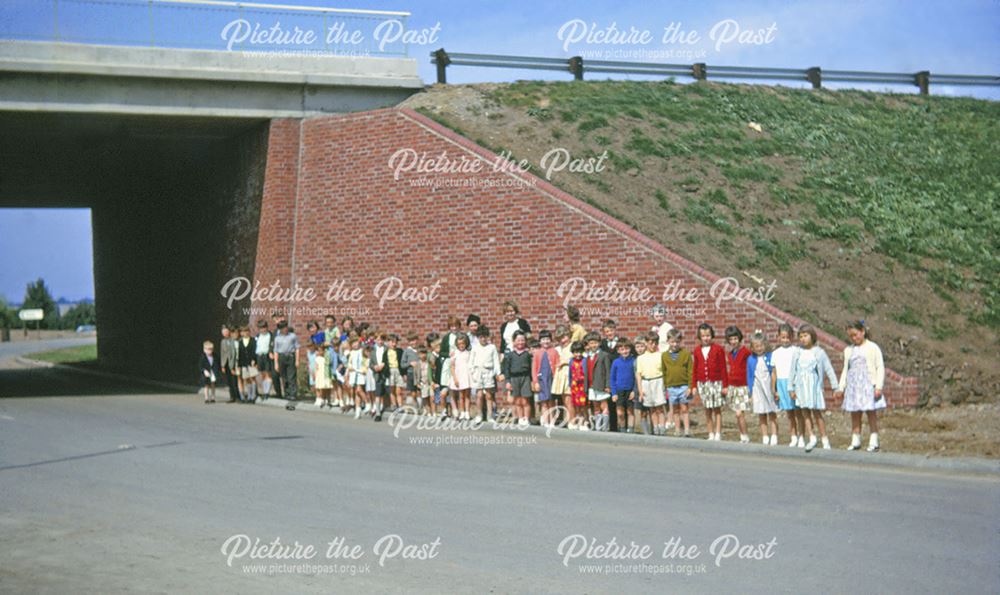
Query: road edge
column 955, row 465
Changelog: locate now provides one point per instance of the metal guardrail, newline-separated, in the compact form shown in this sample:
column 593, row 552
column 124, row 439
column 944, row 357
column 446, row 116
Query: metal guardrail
column 199, row 24
column 701, row 71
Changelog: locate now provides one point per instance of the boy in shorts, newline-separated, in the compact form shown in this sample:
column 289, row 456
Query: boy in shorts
column 678, row 365
column 407, row 368
column 397, row 384
column 484, row 363
column 649, row 378
column 516, row 368
column 623, row 385
column 598, row 381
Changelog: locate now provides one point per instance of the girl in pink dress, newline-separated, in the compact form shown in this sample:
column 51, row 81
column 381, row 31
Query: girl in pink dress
column 461, row 379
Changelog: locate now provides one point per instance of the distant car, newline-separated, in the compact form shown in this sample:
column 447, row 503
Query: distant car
column 86, row 328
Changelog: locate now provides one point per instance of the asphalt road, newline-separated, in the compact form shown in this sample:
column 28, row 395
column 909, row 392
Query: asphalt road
column 139, row 493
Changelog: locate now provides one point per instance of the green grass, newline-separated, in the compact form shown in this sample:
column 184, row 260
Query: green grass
column 700, row 210
column 591, row 124
column 908, row 316
column 661, row 199
column 68, row 355
column 754, row 172
column 915, row 179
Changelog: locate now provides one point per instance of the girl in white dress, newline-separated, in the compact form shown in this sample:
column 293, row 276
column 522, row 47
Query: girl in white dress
column 357, row 376
column 761, row 381
column 461, row 377
column 861, row 384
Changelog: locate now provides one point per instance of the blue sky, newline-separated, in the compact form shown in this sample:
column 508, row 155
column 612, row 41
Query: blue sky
column 954, row 37
column 29, row 252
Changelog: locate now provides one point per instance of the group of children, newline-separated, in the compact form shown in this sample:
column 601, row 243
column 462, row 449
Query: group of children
column 584, row 381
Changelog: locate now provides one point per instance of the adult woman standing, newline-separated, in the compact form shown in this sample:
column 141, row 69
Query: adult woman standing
column 572, row 318
column 448, row 349
column 512, row 323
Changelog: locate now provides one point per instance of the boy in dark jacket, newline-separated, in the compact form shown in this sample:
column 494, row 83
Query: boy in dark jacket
column 516, row 368
column 598, row 381
column 210, row 370
column 623, row 385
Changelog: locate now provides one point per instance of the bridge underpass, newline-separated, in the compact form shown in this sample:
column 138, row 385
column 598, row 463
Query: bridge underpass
column 168, row 149
column 175, row 208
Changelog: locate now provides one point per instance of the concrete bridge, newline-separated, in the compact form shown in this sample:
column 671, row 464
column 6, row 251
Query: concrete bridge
column 168, row 148
column 79, row 78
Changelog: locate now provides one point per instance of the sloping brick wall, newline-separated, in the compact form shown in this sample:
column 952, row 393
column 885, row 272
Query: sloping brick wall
column 488, row 237
column 277, row 214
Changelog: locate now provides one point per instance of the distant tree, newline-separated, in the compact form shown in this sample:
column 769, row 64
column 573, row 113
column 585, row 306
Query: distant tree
column 84, row 313
column 8, row 317
column 37, row 295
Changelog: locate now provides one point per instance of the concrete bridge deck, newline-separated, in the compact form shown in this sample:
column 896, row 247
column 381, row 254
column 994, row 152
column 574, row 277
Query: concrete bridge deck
column 70, row 77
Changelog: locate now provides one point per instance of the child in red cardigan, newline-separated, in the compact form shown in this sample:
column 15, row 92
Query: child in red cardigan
column 709, row 379
column 737, row 393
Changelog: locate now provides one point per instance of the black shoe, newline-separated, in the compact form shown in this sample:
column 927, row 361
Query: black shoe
column 290, row 407
column 378, row 417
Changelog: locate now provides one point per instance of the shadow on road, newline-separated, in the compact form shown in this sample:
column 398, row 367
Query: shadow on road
column 63, row 382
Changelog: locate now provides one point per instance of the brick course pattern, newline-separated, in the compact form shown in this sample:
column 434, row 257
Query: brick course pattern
column 469, row 244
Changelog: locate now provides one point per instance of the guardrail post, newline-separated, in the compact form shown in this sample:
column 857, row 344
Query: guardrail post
column 442, row 60
column 576, row 67
column 815, row 76
column 923, row 80
column 698, row 71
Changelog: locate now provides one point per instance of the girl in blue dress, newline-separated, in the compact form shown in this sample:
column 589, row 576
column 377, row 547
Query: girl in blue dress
column 809, row 367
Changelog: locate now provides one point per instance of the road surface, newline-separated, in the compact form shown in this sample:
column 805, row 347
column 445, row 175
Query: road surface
column 140, row 492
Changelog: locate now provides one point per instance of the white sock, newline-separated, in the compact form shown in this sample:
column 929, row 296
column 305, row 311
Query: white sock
column 855, row 439
column 873, row 439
